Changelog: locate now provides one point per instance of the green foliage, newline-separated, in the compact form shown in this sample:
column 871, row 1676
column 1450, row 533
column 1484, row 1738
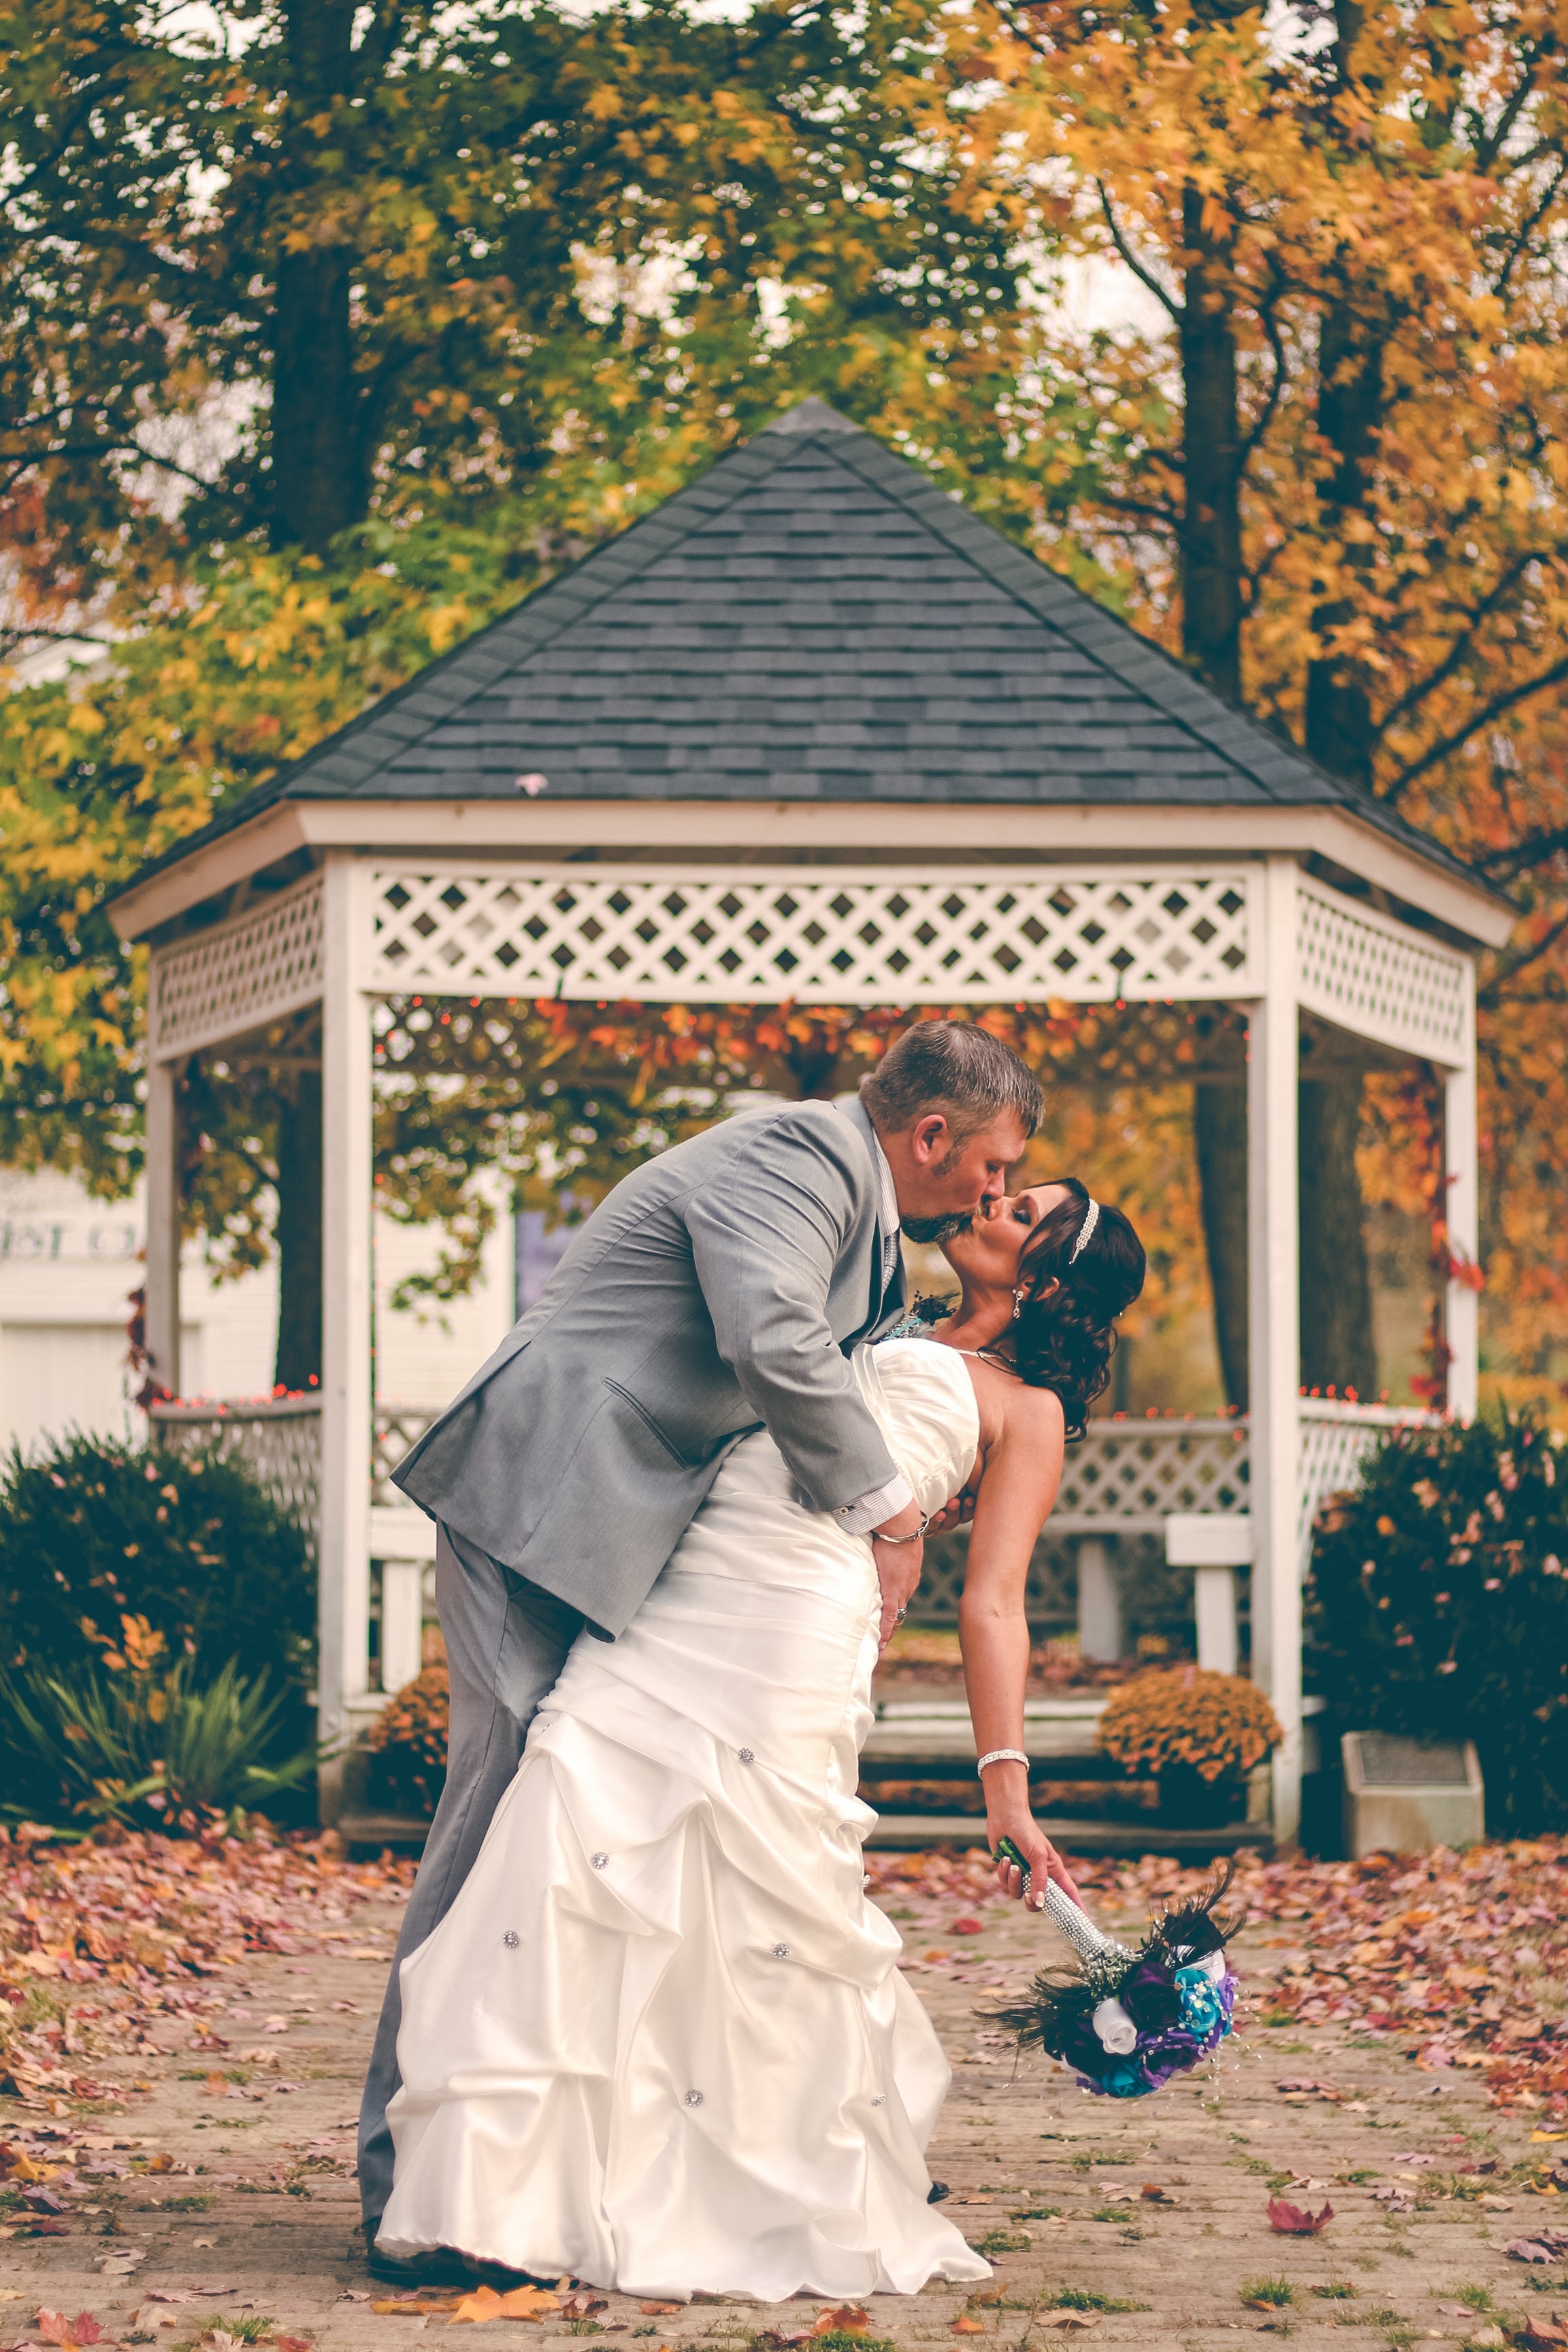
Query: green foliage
column 1276, row 2291
column 92, row 1532
column 143, row 1745
column 1437, row 1604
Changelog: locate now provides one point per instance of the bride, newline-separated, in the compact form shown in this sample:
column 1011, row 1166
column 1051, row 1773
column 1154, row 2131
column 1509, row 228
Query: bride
column 660, row 2042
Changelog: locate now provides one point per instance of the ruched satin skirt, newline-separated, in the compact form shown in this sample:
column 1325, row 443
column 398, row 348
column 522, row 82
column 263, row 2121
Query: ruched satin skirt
column 660, row 2041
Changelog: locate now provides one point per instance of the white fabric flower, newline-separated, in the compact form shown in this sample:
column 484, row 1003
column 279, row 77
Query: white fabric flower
column 1115, row 2029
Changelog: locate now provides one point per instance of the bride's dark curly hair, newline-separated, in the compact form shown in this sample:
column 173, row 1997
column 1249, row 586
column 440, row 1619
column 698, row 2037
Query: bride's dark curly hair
column 1065, row 1341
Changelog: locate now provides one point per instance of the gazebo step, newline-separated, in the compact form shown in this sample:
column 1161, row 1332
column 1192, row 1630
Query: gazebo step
column 914, row 1831
column 371, row 1832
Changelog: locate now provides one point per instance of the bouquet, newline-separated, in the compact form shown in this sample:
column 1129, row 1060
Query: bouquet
column 1126, row 2021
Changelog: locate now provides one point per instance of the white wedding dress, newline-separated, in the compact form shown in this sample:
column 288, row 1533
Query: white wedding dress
column 660, row 2041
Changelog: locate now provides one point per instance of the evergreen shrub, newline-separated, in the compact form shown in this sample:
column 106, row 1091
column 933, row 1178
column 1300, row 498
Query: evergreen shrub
column 1437, row 1604
column 185, row 1559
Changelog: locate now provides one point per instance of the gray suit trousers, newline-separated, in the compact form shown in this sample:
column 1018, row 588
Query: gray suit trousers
column 506, row 1644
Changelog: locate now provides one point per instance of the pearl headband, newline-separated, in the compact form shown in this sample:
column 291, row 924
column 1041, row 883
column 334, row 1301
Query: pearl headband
column 1091, row 1218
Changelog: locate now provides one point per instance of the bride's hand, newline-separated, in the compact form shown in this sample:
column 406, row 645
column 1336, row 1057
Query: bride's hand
column 955, row 1514
column 1044, row 1860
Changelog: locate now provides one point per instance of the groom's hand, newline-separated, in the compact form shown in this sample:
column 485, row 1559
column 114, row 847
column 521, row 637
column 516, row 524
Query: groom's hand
column 898, row 1568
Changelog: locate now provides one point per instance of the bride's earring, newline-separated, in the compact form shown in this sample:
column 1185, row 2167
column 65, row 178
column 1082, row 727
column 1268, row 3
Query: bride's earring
column 1017, row 1304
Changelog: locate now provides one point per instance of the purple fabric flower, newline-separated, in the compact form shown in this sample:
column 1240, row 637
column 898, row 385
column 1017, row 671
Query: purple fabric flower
column 1083, row 2049
column 1166, row 2054
column 1150, row 1999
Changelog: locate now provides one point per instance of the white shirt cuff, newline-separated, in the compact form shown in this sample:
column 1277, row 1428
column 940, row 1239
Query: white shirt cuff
column 873, row 1510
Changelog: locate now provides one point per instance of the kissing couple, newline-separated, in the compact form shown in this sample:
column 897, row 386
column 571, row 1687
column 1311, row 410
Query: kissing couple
column 645, row 2027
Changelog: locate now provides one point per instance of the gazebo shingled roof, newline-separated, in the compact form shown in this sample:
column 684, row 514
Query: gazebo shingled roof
column 814, row 620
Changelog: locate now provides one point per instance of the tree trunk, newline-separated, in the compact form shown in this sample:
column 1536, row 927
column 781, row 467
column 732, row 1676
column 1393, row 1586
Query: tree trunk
column 1211, row 524
column 299, row 1156
column 1211, row 640
column 320, row 484
column 1337, row 1347
column 1219, row 1129
column 1350, row 401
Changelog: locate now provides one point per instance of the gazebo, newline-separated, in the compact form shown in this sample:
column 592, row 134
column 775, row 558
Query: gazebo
column 813, row 733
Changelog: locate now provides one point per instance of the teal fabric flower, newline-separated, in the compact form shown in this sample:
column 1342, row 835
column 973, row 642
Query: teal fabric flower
column 1122, row 2079
column 1202, row 2009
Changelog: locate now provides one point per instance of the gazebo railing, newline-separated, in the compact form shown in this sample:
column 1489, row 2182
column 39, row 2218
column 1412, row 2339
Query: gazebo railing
column 1126, row 1479
column 279, row 1439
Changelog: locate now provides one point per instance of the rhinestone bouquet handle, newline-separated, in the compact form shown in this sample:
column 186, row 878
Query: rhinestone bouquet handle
column 1067, row 1918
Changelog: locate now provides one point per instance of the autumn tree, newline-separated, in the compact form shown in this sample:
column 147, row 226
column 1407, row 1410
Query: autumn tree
column 1334, row 478
column 328, row 331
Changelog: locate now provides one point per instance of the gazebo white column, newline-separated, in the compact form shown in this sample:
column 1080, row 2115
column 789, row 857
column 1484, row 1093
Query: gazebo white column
column 1461, row 1306
column 160, row 1310
column 1274, row 1328
column 346, row 1372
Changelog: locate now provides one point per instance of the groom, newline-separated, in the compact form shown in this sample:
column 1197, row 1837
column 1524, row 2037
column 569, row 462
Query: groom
column 718, row 1288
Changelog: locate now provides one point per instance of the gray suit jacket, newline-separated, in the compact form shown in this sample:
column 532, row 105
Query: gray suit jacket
column 717, row 1289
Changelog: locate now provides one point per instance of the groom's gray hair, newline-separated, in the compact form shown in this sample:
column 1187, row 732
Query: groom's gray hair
column 956, row 1068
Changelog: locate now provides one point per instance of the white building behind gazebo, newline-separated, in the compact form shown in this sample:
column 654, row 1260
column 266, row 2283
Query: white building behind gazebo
column 811, row 732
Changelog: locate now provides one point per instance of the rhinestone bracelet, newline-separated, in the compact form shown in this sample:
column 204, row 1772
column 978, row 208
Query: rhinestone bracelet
column 1002, row 1756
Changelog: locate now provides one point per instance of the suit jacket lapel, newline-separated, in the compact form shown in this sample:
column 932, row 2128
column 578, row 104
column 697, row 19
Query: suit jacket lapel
column 887, row 1303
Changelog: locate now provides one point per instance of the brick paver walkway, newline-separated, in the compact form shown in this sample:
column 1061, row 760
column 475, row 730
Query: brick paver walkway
column 242, row 2190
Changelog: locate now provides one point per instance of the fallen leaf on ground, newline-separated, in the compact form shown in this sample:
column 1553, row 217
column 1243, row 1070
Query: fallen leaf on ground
column 533, row 2302
column 967, row 2324
column 482, row 2305
column 1153, row 2194
column 56, row 2328
column 658, row 2310
column 1542, row 2248
column 1304, row 2086
column 847, row 2320
column 1543, row 2334
column 576, row 2306
column 293, row 2344
column 1291, row 2223
column 1070, row 2322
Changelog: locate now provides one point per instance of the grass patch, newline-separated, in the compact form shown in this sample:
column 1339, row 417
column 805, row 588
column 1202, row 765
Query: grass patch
column 1474, row 2298
column 188, row 2204
column 1084, row 2298
column 1113, row 2213
column 1277, row 2292
column 1093, row 2163
column 1000, row 2242
column 245, row 2327
column 1334, row 2291
column 1036, row 2214
column 1363, row 2172
column 843, row 2339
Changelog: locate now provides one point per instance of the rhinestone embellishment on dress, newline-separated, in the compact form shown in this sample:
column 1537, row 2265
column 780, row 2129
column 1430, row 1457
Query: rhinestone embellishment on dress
column 600, row 1861
column 880, row 2100
column 694, row 2098
column 747, row 1756
column 510, row 1939
column 781, row 1951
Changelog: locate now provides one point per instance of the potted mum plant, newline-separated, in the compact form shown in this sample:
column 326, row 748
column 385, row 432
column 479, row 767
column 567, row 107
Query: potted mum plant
column 1198, row 1734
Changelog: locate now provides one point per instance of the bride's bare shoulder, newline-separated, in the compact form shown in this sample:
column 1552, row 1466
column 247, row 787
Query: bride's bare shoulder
column 1010, row 1405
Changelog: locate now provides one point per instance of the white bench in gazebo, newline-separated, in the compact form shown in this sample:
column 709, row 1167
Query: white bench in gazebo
column 811, row 732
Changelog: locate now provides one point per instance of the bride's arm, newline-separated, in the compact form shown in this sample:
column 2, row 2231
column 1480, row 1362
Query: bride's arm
column 1023, row 1468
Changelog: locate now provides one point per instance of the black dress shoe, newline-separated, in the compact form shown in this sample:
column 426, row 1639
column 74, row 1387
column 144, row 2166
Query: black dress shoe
column 440, row 2267
column 937, row 2191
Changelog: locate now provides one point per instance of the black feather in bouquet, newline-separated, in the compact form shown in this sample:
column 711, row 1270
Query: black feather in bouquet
column 1126, row 2021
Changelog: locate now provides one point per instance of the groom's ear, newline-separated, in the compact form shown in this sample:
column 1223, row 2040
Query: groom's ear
column 928, row 1137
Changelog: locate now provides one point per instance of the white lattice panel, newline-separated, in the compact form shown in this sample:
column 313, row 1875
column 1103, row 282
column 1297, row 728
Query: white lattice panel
column 221, row 982
column 279, row 1441
column 1375, row 978
column 837, row 937
column 1131, row 1474
column 1335, row 1441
